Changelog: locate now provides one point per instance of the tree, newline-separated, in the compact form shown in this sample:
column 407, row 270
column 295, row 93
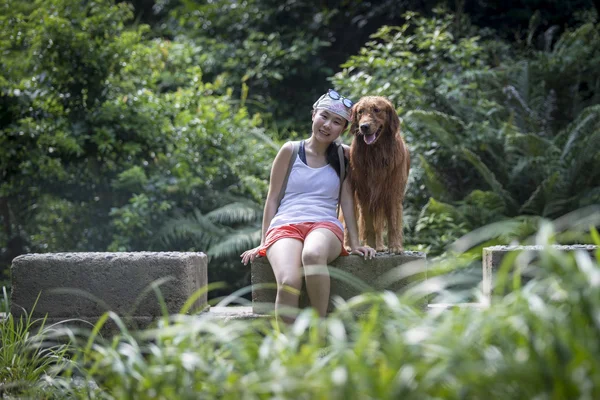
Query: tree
column 106, row 134
column 511, row 138
column 283, row 51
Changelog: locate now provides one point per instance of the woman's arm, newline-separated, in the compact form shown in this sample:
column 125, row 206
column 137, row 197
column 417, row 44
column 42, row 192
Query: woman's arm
column 278, row 172
column 347, row 204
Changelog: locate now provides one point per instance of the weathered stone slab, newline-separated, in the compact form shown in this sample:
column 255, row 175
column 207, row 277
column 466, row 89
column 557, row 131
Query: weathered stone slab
column 235, row 313
column 384, row 272
column 85, row 285
column 493, row 256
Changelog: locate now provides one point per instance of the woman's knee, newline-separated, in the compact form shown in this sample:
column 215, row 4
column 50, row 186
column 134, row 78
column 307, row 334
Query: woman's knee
column 313, row 256
column 291, row 280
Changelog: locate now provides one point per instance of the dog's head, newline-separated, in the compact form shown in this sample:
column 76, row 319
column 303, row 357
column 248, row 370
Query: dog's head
column 374, row 117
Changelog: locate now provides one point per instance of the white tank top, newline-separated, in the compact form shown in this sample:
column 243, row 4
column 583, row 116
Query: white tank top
column 311, row 195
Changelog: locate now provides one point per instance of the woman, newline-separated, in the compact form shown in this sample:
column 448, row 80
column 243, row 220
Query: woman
column 303, row 230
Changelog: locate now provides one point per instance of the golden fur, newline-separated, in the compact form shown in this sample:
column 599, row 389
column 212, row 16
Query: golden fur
column 378, row 172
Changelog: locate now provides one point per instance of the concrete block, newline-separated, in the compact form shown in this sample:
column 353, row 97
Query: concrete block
column 384, row 272
column 493, row 256
column 85, row 285
column 235, row 313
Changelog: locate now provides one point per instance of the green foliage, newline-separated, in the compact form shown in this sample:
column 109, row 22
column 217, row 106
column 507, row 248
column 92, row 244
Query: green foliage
column 539, row 340
column 252, row 43
column 124, row 136
column 231, row 229
column 282, row 51
column 414, row 63
column 521, row 122
column 437, row 225
column 107, row 134
column 434, row 75
column 27, row 354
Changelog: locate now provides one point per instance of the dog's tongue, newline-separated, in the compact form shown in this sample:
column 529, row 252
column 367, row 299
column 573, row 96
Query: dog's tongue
column 370, row 138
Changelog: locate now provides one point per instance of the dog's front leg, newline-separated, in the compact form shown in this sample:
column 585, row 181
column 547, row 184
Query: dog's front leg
column 378, row 227
column 395, row 237
column 367, row 231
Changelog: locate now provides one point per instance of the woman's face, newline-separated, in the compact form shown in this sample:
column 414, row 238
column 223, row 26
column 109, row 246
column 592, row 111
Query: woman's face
column 327, row 126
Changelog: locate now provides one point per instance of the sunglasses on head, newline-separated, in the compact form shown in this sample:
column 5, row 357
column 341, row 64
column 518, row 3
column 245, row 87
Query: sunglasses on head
column 336, row 96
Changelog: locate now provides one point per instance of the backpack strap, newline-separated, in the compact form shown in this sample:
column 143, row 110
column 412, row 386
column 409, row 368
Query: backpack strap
column 342, row 174
column 295, row 149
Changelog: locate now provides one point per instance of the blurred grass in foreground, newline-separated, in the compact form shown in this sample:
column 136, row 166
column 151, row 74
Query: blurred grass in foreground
column 540, row 341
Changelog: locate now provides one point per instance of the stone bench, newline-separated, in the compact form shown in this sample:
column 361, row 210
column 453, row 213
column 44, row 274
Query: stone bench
column 85, row 285
column 493, row 257
column 384, row 272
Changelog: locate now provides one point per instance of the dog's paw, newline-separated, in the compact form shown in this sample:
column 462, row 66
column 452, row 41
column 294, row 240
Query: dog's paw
column 381, row 249
column 396, row 250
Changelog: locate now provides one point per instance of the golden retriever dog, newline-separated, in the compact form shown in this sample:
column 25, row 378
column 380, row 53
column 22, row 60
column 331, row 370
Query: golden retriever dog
column 379, row 166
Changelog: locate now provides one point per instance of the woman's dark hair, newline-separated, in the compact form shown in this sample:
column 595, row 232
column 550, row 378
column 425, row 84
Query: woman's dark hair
column 333, row 158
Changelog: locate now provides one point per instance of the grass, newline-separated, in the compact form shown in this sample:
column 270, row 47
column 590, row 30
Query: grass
column 28, row 355
column 540, row 340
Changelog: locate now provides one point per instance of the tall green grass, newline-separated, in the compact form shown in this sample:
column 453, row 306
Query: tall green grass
column 541, row 340
column 30, row 359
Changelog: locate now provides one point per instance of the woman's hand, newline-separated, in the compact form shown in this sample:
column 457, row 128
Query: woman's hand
column 366, row 251
column 250, row 255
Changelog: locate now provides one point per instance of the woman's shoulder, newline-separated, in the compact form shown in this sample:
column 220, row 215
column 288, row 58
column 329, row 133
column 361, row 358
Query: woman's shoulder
column 290, row 145
column 346, row 150
column 288, row 148
column 285, row 153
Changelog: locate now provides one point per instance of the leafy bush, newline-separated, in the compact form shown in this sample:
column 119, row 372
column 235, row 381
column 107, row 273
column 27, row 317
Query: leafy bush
column 108, row 134
column 510, row 137
column 281, row 52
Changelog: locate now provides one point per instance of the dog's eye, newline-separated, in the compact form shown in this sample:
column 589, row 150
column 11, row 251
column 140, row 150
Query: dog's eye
column 360, row 112
column 376, row 110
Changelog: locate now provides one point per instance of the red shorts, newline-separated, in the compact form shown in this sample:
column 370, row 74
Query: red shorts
column 300, row 231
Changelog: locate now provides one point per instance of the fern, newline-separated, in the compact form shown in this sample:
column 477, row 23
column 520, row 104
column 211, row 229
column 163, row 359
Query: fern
column 549, row 108
column 556, row 206
column 539, row 196
column 203, row 232
column 530, row 145
column 235, row 214
column 523, row 86
column 222, row 232
column 574, row 40
column 432, row 182
column 480, row 208
column 236, row 243
column 588, row 153
column 587, row 121
column 447, row 129
column 490, row 178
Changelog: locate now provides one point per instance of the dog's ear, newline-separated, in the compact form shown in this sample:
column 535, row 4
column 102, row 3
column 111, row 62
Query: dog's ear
column 392, row 118
column 354, row 119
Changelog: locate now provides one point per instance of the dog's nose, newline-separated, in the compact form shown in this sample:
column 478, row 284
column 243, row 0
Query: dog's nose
column 364, row 127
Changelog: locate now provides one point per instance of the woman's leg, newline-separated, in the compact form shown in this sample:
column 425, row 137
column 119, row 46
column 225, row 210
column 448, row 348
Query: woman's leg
column 321, row 247
column 285, row 257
